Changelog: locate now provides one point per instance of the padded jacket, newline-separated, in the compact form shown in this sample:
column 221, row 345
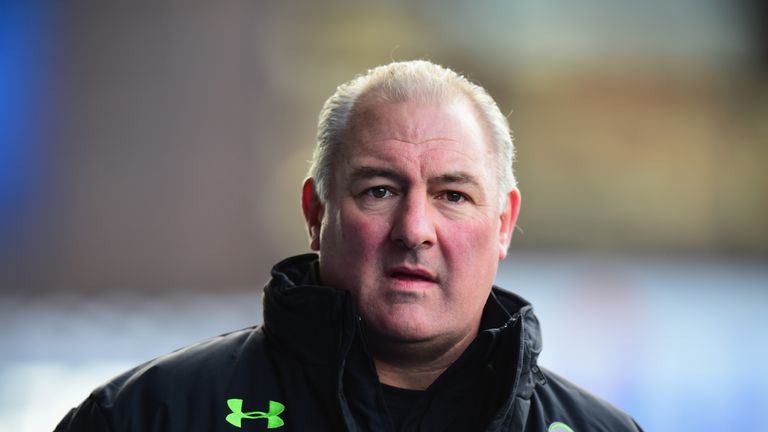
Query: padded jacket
column 307, row 369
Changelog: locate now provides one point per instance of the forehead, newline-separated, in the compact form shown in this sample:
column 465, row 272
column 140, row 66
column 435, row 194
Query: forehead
column 453, row 125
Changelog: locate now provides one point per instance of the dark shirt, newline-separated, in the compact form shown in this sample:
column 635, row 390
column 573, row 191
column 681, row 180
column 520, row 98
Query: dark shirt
column 400, row 404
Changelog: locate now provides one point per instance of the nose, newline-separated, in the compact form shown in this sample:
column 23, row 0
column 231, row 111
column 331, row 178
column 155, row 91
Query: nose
column 413, row 226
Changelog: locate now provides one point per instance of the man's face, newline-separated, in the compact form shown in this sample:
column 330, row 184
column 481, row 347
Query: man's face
column 412, row 225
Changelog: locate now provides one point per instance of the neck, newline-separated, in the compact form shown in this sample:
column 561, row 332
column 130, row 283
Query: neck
column 415, row 365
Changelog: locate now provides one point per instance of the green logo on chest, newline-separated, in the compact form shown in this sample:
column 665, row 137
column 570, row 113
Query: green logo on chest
column 272, row 416
column 559, row 427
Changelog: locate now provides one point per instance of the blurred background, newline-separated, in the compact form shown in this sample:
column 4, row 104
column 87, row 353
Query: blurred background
column 151, row 157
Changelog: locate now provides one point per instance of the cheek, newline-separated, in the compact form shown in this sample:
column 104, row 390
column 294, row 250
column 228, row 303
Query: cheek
column 476, row 234
column 472, row 246
column 354, row 235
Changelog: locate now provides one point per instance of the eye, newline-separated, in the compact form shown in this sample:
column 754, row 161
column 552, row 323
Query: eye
column 379, row 192
column 454, row 197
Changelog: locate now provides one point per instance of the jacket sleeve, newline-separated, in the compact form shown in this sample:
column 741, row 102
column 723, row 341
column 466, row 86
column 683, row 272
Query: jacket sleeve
column 87, row 417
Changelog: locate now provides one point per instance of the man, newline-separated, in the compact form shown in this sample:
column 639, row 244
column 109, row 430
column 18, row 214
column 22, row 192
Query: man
column 395, row 325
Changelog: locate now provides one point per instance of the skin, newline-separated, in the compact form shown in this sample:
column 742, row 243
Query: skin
column 413, row 229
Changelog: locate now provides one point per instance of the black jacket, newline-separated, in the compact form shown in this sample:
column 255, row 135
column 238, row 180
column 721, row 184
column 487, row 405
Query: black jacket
column 307, row 369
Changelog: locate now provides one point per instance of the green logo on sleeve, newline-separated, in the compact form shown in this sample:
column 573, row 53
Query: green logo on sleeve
column 272, row 416
column 559, row 427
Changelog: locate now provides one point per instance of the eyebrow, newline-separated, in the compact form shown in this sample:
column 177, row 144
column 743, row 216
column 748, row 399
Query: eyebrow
column 368, row 172
column 459, row 177
column 455, row 178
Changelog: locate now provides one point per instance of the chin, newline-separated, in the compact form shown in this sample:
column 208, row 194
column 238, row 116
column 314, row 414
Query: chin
column 405, row 332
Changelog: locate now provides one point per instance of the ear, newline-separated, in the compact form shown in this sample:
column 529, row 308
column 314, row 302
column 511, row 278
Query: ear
column 313, row 212
column 508, row 219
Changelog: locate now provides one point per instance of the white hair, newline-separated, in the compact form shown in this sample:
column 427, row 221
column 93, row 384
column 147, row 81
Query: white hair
column 416, row 80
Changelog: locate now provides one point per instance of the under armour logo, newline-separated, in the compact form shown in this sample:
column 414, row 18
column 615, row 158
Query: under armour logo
column 272, row 416
column 559, row 427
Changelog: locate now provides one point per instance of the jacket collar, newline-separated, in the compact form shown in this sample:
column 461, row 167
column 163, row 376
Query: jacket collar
column 530, row 343
column 315, row 323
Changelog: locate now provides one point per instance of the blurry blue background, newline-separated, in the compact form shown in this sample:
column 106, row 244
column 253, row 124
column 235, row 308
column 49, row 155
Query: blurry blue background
column 151, row 156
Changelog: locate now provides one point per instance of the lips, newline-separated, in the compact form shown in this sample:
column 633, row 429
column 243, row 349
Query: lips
column 412, row 274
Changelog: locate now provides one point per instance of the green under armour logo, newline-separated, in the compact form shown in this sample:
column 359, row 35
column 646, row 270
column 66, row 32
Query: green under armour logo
column 559, row 427
column 237, row 415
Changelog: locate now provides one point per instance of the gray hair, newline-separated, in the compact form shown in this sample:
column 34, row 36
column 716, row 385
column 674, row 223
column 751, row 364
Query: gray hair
column 416, row 80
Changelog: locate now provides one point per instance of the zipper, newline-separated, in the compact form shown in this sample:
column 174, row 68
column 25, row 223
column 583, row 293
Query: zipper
column 538, row 374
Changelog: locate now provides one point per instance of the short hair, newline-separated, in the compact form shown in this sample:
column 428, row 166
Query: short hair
column 416, row 80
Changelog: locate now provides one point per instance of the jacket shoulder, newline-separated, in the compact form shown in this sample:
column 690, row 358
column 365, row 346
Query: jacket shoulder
column 204, row 374
column 203, row 364
column 560, row 400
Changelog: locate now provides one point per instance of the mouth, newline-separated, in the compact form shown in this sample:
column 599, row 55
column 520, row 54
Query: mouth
column 412, row 275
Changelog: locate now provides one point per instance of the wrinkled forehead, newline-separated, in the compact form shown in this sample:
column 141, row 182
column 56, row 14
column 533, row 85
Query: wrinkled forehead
column 414, row 121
